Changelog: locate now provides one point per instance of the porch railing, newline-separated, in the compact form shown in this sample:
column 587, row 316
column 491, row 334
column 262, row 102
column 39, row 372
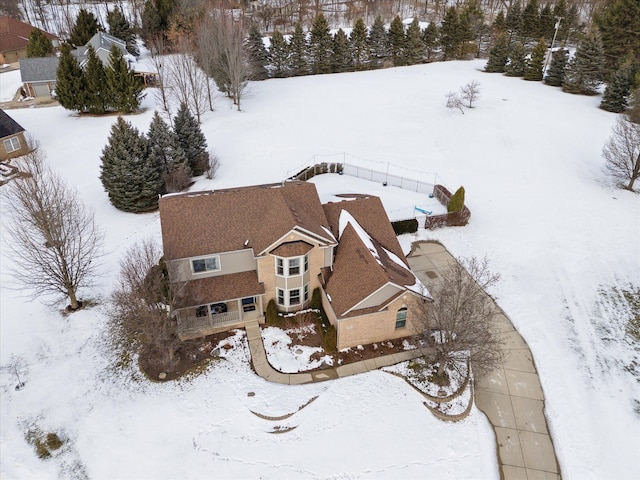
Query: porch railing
column 202, row 324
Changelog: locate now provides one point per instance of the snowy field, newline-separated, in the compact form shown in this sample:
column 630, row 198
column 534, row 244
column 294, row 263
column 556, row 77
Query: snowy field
column 529, row 158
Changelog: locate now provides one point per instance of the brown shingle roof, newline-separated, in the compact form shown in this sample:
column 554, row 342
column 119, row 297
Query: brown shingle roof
column 14, row 34
column 358, row 271
column 292, row 249
column 371, row 215
column 219, row 289
column 203, row 223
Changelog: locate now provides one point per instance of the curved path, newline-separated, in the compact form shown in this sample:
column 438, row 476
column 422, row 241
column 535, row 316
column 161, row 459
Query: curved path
column 511, row 397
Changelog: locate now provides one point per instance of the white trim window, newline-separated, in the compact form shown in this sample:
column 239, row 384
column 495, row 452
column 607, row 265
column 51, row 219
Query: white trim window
column 290, row 267
column 205, row 264
column 292, row 298
column 12, row 144
column 401, row 317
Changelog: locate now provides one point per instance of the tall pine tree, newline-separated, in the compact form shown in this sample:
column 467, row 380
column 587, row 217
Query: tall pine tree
column 359, row 46
column 513, row 21
column 191, row 140
column 320, row 46
column 531, row 20
column 131, row 180
column 585, row 71
column 414, row 45
column 257, row 53
column 97, row 89
column 125, row 90
column 535, row 64
column 450, row 34
column 299, row 50
column 86, row 26
column 120, row 28
column 555, row 73
column 619, row 24
column 498, row 55
column 279, row 55
column 516, row 65
column 378, row 42
column 38, row 44
column 616, row 95
column 167, row 155
column 396, row 41
column 430, row 38
column 341, row 55
column 70, row 82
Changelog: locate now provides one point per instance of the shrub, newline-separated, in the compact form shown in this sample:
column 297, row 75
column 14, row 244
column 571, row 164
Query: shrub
column 330, row 339
column 272, row 316
column 405, row 226
column 456, row 204
column 43, row 443
column 316, row 301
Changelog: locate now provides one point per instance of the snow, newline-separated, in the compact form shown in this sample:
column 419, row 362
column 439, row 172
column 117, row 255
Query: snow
column 529, row 158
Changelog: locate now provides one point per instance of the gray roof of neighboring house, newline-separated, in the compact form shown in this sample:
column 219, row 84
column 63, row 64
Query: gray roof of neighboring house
column 8, row 126
column 43, row 69
column 100, row 41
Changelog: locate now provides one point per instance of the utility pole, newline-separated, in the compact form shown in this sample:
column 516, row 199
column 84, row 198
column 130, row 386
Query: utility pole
column 555, row 34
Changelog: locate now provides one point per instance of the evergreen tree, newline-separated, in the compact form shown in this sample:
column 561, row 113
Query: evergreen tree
column 359, row 45
column 70, row 82
column 498, row 55
column 396, row 41
column 450, row 34
column 156, row 17
column 127, row 174
column 555, row 73
column 473, row 16
column 514, row 21
column 125, row 90
column 619, row 24
column 191, row 140
column 320, row 43
column 531, row 20
column 341, row 55
column 430, row 38
column 517, row 55
column 570, row 26
column 414, row 45
column 257, row 53
column 616, row 95
column 456, row 204
column 120, row 28
column 464, row 35
column 584, row 73
column 96, row 87
column 499, row 24
column 279, row 56
column 560, row 9
column 166, row 154
column 535, row 64
column 378, row 43
column 38, row 44
column 547, row 23
column 299, row 49
column 86, row 26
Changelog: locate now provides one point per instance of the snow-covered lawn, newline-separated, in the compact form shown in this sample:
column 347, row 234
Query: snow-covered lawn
column 529, row 158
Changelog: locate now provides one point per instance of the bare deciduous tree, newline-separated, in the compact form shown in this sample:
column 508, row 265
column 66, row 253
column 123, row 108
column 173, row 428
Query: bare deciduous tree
column 186, row 81
column 221, row 50
column 458, row 325
column 453, row 101
column 157, row 47
column 54, row 240
column 622, row 152
column 140, row 305
column 470, row 92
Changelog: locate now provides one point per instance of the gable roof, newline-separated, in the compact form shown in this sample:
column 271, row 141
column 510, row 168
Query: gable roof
column 363, row 264
column 14, row 34
column 43, row 69
column 202, row 223
column 101, row 43
column 8, row 126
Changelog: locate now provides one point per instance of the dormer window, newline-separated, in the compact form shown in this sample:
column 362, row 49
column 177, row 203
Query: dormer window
column 207, row 264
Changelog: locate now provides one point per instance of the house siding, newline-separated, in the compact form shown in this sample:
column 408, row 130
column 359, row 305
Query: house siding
column 23, row 150
column 230, row 262
column 374, row 327
column 379, row 297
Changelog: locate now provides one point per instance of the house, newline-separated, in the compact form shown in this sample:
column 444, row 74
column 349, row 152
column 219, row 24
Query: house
column 230, row 251
column 12, row 137
column 102, row 43
column 38, row 75
column 14, row 36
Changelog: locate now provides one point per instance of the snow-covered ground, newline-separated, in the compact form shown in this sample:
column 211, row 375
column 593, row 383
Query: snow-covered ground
column 529, row 158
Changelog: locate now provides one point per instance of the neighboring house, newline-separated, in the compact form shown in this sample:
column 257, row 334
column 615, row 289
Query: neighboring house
column 102, row 43
column 39, row 75
column 14, row 36
column 12, row 137
column 229, row 252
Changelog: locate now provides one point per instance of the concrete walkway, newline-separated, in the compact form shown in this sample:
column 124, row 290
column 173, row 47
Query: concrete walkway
column 266, row 371
column 511, row 397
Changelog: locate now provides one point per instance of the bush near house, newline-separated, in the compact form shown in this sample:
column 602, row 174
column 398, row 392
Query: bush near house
column 405, row 226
